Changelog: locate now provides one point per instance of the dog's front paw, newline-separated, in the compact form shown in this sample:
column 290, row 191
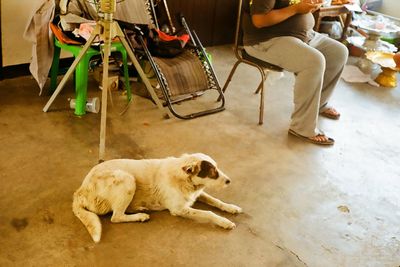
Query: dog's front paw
column 142, row 217
column 227, row 224
column 232, row 209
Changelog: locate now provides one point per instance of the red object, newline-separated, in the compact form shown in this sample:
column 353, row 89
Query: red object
column 61, row 36
column 184, row 38
column 396, row 59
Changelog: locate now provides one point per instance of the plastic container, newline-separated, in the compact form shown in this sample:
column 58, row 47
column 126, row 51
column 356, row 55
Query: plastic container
column 92, row 104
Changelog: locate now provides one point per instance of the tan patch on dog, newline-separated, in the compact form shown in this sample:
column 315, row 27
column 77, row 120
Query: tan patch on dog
column 117, row 181
column 184, row 185
column 101, row 176
column 102, row 205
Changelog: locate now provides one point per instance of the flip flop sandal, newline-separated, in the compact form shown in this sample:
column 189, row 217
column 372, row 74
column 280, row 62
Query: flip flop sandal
column 328, row 142
column 330, row 115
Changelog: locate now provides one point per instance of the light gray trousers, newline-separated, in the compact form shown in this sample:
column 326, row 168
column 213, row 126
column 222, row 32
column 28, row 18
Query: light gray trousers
column 317, row 66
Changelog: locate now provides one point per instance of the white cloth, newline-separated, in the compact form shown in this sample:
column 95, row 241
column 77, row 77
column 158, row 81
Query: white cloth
column 352, row 74
column 38, row 32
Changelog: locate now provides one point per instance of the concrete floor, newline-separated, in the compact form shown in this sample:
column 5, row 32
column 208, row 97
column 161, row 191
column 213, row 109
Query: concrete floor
column 303, row 205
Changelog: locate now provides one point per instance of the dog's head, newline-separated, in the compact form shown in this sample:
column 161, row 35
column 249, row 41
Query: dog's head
column 203, row 171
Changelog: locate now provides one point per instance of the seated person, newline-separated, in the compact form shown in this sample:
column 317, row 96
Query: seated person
column 281, row 32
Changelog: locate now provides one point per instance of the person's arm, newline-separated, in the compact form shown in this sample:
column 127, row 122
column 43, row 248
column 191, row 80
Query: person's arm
column 276, row 16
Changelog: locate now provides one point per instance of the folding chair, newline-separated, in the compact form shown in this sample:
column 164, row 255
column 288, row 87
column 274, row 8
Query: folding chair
column 186, row 76
column 243, row 57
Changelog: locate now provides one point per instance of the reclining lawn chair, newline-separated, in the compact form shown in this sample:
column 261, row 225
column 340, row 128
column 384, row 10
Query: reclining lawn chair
column 186, row 76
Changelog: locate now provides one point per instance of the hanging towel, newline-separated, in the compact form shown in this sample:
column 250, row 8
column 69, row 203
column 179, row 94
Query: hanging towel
column 38, row 32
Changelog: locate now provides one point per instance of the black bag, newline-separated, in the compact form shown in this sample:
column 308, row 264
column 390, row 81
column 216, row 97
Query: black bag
column 161, row 44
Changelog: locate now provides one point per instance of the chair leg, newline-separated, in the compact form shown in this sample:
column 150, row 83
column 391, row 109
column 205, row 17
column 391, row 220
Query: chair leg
column 261, row 88
column 81, row 80
column 229, row 79
column 54, row 68
column 230, row 76
column 126, row 74
column 261, row 116
column 263, row 78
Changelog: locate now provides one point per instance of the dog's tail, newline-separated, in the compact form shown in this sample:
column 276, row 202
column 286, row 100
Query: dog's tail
column 88, row 218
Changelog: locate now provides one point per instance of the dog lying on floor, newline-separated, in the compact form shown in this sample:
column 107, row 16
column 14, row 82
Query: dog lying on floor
column 125, row 185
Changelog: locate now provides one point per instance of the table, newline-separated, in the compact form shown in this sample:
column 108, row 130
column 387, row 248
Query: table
column 333, row 11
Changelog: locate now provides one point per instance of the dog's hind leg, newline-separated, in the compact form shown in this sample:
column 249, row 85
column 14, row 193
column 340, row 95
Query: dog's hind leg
column 89, row 219
column 205, row 217
column 122, row 196
column 212, row 201
column 120, row 216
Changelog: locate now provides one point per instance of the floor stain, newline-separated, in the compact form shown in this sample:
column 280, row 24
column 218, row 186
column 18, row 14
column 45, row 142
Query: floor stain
column 19, row 224
column 48, row 218
column 343, row 209
column 291, row 252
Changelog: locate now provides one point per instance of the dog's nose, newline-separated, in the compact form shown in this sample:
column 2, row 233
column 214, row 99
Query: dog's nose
column 227, row 181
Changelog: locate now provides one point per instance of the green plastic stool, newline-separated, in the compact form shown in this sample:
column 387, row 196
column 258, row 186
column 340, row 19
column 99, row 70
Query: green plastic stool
column 81, row 71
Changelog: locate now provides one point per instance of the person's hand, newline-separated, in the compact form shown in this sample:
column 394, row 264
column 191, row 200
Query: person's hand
column 306, row 6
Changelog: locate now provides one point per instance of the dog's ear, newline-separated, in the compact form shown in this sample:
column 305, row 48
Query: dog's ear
column 207, row 169
column 191, row 169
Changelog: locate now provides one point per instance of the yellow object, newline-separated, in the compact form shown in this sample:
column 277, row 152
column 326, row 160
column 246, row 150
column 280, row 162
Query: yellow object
column 387, row 78
column 382, row 58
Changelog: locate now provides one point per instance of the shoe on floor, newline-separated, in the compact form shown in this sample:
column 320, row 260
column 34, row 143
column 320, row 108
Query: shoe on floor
column 329, row 141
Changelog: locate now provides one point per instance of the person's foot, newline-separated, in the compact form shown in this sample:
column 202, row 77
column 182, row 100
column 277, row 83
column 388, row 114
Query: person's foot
column 330, row 113
column 322, row 139
column 319, row 139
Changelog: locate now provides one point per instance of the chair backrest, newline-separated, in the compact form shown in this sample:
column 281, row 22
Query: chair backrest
column 243, row 10
column 239, row 31
column 240, row 52
column 137, row 12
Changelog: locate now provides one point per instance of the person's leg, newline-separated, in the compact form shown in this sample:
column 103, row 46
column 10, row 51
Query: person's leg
column 308, row 64
column 335, row 54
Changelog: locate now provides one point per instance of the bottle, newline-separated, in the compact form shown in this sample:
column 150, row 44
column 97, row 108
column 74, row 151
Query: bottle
column 92, row 104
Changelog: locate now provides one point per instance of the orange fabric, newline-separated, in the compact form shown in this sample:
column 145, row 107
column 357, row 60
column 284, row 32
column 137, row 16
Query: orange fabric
column 61, row 36
column 165, row 37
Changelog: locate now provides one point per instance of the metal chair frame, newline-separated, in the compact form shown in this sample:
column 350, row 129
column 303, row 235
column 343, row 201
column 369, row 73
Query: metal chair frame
column 242, row 57
column 197, row 49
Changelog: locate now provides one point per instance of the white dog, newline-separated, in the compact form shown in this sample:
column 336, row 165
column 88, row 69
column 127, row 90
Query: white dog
column 125, row 185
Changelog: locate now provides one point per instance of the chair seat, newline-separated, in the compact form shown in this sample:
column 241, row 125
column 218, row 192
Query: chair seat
column 184, row 74
column 260, row 62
